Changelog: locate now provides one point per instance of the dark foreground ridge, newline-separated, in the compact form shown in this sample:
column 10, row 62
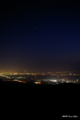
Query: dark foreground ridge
column 53, row 99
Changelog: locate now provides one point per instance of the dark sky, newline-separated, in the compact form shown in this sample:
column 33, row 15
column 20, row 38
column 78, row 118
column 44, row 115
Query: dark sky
column 40, row 36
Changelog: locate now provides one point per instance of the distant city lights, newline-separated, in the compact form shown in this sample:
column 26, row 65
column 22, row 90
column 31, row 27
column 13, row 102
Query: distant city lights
column 60, row 77
column 53, row 80
column 16, row 80
column 37, row 82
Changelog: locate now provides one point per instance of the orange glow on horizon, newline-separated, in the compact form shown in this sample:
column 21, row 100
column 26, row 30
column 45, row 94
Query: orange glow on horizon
column 37, row 82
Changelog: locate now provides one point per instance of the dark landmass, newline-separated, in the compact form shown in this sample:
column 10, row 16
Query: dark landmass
column 54, row 99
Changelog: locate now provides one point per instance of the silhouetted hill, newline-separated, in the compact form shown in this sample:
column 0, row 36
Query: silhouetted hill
column 54, row 98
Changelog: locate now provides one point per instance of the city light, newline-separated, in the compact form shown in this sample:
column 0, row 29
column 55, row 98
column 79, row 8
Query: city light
column 37, row 82
column 77, row 79
column 50, row 77
column 19, row 81
column 16, row 80
column 53, row 80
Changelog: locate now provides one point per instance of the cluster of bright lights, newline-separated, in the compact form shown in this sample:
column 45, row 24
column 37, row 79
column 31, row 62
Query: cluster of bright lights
column 53, row 80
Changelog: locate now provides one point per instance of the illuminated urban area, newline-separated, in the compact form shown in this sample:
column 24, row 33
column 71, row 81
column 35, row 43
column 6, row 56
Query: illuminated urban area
column 42, row 78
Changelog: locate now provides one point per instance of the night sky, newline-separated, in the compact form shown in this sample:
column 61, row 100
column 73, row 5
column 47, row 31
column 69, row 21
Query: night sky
column 38, row 36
